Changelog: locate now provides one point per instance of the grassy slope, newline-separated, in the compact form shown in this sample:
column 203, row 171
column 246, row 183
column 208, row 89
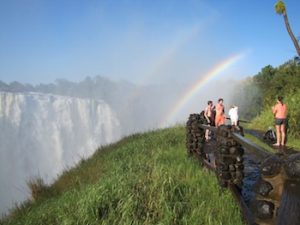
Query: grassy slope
column 143, row 179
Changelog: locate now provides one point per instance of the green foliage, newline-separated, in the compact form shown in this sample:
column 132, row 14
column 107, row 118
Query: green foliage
column 280, row 7
column 284, row 81
column 294, row 114
column 143, row 179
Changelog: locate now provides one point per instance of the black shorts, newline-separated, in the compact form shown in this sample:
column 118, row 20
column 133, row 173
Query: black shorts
column 280, row 121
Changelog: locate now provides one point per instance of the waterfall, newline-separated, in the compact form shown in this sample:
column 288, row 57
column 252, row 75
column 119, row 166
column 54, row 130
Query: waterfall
column 43, row 134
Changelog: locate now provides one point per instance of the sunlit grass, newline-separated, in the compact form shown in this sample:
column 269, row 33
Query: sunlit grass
column 143, row 179
column 259, row 143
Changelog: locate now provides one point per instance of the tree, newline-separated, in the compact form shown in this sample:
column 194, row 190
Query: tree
column 281, row 10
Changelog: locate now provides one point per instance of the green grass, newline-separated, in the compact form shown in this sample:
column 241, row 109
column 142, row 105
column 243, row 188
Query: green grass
column 293, row 142
column 259, row 143
column 143, row 179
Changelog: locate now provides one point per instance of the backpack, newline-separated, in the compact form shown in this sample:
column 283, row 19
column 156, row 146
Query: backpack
column 270, row 136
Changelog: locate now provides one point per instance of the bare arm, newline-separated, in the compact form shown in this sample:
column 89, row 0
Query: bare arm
column 274, row 110
column 206, row 114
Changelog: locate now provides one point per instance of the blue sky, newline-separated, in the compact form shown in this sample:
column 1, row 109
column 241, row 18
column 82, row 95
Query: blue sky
column 138, row 40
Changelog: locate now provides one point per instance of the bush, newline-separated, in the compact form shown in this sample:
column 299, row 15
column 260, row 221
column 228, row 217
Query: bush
column 39, row 189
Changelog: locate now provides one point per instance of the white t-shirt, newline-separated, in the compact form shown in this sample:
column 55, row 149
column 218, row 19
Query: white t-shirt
column 233, row 113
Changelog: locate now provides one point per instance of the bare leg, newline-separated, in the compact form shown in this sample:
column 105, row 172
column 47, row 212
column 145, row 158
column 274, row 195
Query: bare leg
column 216, row 122
column 206, row 134
column 282, row 129
column 278, row 134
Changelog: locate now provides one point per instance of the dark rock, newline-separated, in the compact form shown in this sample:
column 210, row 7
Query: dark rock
column 236, row 150
column 239, row 159
column 224, row 150
column 288, row 213
column 271, row 166
column 230, row 143
column 224, row 175
column 238, row 182
column 233, row 175
column 223, row 167
column 228, row 159
column 233, row 150
column 231, row 168
column 292, row 166
column 263, row 209
column 239, row 175
column 239, row 166
column 263, row 187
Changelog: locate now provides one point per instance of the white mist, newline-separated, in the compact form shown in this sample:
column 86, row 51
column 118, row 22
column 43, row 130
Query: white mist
column 43, row 134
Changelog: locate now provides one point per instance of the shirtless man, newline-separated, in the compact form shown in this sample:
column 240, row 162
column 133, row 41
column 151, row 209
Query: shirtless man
column 220, row 117
column 209, row 117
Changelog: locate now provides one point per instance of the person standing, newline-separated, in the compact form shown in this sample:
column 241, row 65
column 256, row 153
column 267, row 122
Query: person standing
column 208, row 114
column 220, row 117
column 233, row 114
column 280, row 113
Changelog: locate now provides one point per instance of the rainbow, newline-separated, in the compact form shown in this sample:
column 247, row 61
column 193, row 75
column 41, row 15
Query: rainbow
column 192, row 91
column 166, row 57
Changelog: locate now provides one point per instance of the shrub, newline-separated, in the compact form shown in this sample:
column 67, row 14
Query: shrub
column 39, row 189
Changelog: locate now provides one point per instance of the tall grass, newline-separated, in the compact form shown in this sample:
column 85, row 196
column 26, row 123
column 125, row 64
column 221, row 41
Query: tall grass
column 143, row 179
